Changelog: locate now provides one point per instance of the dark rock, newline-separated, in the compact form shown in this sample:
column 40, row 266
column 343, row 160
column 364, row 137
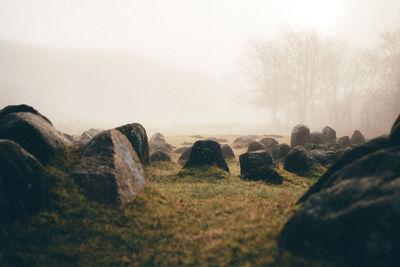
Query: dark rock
column 160, row 156
column 23, row 188
column 269, row 142
column 227, row 152
column 312, row 146
column 328, row 135
column 357, row 138
column 324, row 157
column 185, row 156
column 258, row 166
column 21, row 108
column 344, row 141
column 300, row 135
column 283, row 150
column 110, row 170
column 137, row 135
column 181, row 149
column 354, row 217
column 157, row 142
column 254, row 146
column 298, row 160
column 316, row 138
column 206, row 152
column 394, row 136
column 34, row 133
column 88, row 135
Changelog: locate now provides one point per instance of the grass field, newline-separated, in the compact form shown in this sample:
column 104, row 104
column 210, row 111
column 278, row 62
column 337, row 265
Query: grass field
column 194, row 217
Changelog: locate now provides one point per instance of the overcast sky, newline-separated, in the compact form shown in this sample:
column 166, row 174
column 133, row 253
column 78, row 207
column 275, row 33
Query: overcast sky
column 207, row 38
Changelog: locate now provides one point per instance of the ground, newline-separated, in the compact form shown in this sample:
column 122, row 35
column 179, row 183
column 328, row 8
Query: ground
column 197, row 217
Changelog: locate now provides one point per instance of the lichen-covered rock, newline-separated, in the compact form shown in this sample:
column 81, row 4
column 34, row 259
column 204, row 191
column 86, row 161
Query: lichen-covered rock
column 137, row 135
column 21, row 108
column 312, row 146
column 206, row 152
column 227, row 152
column 300, row 135
column 157, row 142
column 254, row 146
column 357, row 138
column 328, row 135
column 316, row 138
column 110, row 170
column 34, row 133
column 88, row 135
column 344, row 141
column 256, row 166
column 23, row 188
column 298, row 160
column 160, row 156
column 324, row 157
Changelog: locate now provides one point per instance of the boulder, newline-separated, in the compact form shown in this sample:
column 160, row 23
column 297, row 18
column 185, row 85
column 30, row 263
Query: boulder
column 244, row 141
column 21, row 108
column 254, row 146
column 316, row 138
column 258, row 166
column 137, row 135
column 23, row 188
column 283, row 150
column 34, row 133
column 300, row 136
column 324, row 157
column 312, row 146
column 157, row 142
column 185, row 156
column 88, row 135
column 328, row 135
column 110, row 171
column 160, row 156
column 206, row 152
column 357, row 138
column 354, row 217
column 344, row 141
column 298, row 160
column 227, row 152
column 269, row 142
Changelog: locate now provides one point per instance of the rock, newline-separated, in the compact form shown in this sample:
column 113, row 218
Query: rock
column 283, row 150
column 137, row 135
column 34, row 133
column 354, row 217
column 269, row 142
column 254, row 146
column 300, row 135
column 328, row 135
column 181, row 149
column 258, row 166
column 185, row 156
column 88, row 135
column 110, row 171
column 324, row 157
column 316, row 138
column 357, row 138
column 160, row 156
column 312, row 146
column 21, row 108
column 394, row 136
column 23, row 188
column 344, row 141
column 157, row 142
column 298, row 160
column 227, row 152
column 206, row 152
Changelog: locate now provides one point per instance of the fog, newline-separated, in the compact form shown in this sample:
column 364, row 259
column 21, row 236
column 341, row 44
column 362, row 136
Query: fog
column 183, row 67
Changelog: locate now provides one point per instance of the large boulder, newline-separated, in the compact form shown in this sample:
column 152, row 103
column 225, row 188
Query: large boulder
column 298, row 160
column 244, row 141
column 354, row 216
column 328, row 135
column 269, row 142
column 206, row 152
column 110, row 171
column 357, row 138
column 254, row 146
column 283, row 150
column 88, row 135
column 324, row 157
column 344, row 141
column 34, row 133
column 316, row 138
column 157, row 142
column 23, row 188
column 137, row 135
column 21, row 108
column 300, row 135
column 227, row 152
column 258, row 166
column 160, row 156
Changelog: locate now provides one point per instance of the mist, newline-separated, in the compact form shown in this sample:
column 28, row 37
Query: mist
column 184, row 67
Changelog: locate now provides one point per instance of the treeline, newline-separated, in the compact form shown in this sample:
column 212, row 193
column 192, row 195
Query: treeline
column 303, row 77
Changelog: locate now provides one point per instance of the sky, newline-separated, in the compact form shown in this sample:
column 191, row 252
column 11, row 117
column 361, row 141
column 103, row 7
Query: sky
column 192, row 52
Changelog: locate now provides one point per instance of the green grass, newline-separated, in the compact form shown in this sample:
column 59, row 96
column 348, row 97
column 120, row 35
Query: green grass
column 193, row 217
